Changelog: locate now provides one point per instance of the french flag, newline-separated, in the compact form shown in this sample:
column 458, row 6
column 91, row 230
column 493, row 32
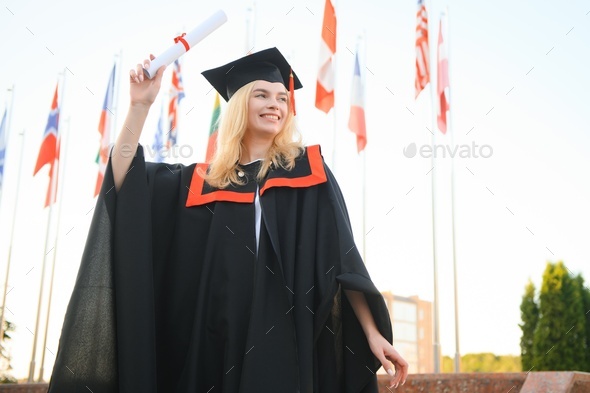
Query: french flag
column 356, row 122
column 49, row 151
column 158, row 144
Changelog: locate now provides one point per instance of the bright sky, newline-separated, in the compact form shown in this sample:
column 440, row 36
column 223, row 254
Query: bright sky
column 519, row 89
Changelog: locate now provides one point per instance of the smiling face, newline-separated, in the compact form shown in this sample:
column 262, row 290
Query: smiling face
column 267, row 109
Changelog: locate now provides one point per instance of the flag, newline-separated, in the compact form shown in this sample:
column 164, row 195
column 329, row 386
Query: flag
column 324, row 96
column 104, row 127
column 158, row 144
column 442, row 83
column 3, row 138
column 176, row 94
column 49, row 151
column 356, row 122
column 422, row 53
column 212, row 142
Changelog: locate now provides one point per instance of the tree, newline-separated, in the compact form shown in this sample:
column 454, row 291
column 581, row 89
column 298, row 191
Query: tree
column 560, row 335
column 5, row 367
column 484, row 362
column 574, row 343
column 529, row 314
column 586, row 307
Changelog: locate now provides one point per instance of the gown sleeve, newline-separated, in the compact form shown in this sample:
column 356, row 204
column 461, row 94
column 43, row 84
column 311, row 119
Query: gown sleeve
column 359, row 365
column 87, row 353
column 107, row 338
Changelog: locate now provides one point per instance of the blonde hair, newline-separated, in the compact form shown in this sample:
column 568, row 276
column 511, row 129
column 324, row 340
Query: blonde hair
column 285, row 148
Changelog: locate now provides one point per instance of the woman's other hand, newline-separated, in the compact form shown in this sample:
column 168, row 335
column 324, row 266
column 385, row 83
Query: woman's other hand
column 387, row 355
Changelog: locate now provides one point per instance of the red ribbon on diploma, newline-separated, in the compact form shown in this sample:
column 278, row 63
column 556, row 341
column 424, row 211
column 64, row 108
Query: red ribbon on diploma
column 181, row 39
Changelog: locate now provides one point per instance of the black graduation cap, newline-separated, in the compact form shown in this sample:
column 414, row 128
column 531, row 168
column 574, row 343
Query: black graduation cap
column 268, row 65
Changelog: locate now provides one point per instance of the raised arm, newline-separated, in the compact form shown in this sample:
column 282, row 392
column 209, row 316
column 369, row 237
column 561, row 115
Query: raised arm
column 380, row 347
column 143, row 92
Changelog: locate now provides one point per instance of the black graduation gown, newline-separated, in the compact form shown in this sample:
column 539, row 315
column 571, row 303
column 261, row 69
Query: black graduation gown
column 173, row 295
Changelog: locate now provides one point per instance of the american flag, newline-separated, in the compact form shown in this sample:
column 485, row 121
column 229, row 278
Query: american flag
column 176, row 94
column 422, row 52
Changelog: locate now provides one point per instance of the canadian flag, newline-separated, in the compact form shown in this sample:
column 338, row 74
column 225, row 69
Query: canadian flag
column 442, row 83
column 324, row 97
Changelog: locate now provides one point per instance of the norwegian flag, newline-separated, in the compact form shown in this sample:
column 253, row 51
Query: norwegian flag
column 324, row 98
column 442, row 82
column 176, row 94
column 356, row 121
column 104, row 127
column 422, row 51
column 49, row 151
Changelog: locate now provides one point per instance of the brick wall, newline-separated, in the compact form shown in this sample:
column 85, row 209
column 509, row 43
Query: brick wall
column 541, row 382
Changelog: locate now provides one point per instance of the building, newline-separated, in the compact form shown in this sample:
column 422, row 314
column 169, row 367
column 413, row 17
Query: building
column 411, row 319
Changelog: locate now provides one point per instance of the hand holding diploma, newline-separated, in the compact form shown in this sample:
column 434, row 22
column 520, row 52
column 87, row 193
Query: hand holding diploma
column 143, row 91
column 186, row 41
column 145, row 80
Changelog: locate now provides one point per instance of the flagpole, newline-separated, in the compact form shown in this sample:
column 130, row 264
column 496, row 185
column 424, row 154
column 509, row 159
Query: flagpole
column 364, row 152
column 20, row 166
column 53, row 180
column 249, row 28
column 334, row 67
column 455, row 281
column 112, row 124
column 64, row 137
column 435, row 303
column 334, row 139
column 16, row 199
column 254, row 18
column 435, row 265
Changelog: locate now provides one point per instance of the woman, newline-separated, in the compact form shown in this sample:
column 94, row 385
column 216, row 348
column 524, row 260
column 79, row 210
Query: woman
column 228, row 277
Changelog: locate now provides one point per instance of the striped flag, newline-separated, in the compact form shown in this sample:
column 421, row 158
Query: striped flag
column 3, row 138
column 104, row 128
column 49, row 151
column 442, row 83
column 324, row 97
column 356, row 122
column 158, row 144
column 422, row 52
column 212, row 142
column 176, row 94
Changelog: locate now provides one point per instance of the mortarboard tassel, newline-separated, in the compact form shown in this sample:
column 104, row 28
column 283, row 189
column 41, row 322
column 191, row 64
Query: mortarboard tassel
column 292, row 91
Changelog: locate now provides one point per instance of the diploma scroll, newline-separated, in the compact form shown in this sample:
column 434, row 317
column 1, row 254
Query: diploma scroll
column 185, row 42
